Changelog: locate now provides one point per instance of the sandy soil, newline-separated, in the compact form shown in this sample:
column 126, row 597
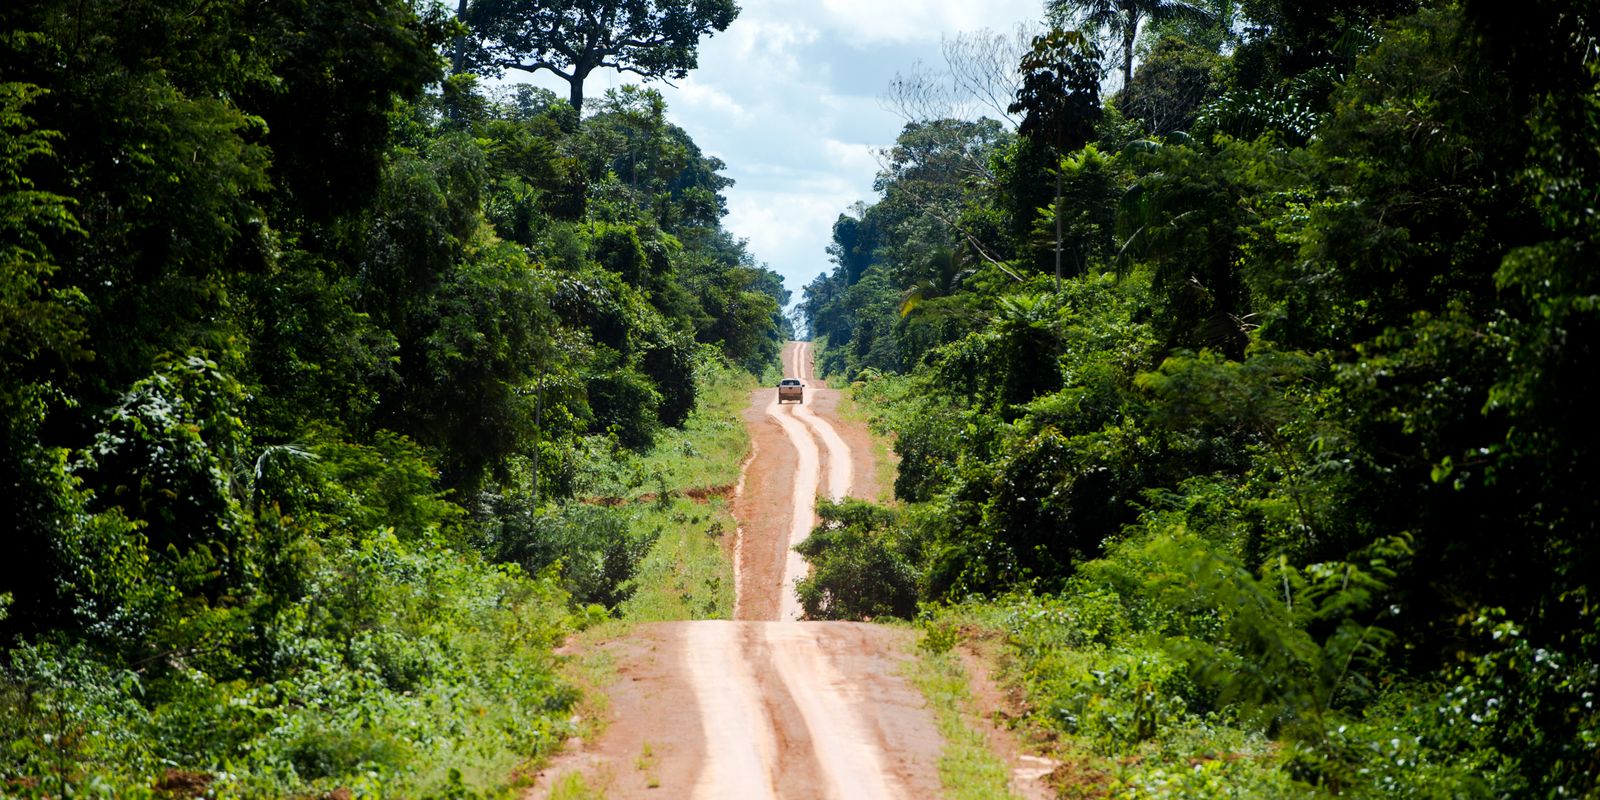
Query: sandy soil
column 766, row 706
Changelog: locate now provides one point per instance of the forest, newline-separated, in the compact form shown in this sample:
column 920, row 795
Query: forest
column 1238, row 357
column 1241, row 368
column 313, row 345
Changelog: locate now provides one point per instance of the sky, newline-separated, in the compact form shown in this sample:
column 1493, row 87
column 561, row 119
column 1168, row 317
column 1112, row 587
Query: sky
column 790, row 96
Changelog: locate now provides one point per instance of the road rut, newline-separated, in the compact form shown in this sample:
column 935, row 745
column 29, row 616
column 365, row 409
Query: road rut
column 766, row 706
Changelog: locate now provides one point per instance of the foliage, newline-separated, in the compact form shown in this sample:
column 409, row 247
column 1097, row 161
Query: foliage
column 570, row 40
column 1171, row 86
column 593, row 549
column 1281, row 478
column 1122, row 20
column 305, row 358
column 1060, row 94
column 859, row 565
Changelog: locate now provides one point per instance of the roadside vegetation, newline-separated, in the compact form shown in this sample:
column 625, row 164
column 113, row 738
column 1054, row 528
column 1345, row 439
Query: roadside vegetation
column 322, row 369
column 968, row 767
column 1248, row 405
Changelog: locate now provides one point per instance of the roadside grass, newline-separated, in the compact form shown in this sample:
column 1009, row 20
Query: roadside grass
column 1078, row 703
column 574, row 786
column 678, row 493
column 885, row 461
column 707, row 451
column 968, row 769
column 687, row 573
column 772, row 374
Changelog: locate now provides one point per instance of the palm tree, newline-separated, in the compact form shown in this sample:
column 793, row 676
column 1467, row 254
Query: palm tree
column 1123, row 18
column 945, row 272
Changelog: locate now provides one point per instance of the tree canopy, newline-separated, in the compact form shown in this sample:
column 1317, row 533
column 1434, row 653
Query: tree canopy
column 654, row 39
column 1296, row 442
column 308, row 356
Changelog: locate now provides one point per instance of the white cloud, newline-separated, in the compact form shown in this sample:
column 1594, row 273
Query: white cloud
column 789, row 98
column 712, row 101
column 851, row 157
column 922, row 20
column 785, row 227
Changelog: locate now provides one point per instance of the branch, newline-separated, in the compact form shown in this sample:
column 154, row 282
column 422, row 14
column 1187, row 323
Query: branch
column 643, row 44
column 534, row 66
column 619, row 66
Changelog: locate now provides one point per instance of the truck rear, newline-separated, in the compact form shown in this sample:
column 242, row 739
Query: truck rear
column 791, row 389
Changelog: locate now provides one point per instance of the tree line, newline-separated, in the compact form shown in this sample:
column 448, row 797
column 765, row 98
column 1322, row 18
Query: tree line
column 310, row 342
column 1258, row 355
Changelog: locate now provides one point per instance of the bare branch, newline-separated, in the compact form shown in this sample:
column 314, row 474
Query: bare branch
column 979, row 78
column 919, row 96
column 982, row 67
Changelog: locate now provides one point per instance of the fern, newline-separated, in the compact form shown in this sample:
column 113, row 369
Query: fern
column 1298, row 645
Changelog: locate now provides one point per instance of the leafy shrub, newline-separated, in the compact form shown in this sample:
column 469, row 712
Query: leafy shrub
column 597, row 552
column 401, row 662
column 625, row 402
column 859, row 569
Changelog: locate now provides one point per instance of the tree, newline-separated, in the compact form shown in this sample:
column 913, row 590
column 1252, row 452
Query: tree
column 1121, row 19
column 1060, row 99
column 979, row 78
column 1171, row 86
column 656, row 39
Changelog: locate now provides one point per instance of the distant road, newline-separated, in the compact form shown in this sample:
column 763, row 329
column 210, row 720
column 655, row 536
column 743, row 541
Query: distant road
column 767, row 706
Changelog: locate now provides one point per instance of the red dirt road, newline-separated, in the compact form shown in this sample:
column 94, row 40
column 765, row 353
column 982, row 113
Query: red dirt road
column 766, row 706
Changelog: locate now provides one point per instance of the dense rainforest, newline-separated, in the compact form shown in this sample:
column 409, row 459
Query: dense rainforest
column 310, row 344
column 1242, row 370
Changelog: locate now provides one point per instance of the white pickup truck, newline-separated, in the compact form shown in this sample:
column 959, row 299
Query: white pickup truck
column 791, row 389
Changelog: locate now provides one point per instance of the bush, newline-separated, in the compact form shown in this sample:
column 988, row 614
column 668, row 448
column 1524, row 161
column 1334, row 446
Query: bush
column 859, row 569
column 403, row 663
column 598, row 555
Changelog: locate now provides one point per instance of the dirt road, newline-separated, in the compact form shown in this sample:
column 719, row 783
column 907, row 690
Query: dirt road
column 765, row 706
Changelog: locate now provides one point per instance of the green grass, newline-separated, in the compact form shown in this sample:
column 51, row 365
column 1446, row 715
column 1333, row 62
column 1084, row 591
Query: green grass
column 707, row 451
column 678, row 493
column 968, row 770
column 1042, row 657
column 573, row 786
column 883, row 456
column 687, row 574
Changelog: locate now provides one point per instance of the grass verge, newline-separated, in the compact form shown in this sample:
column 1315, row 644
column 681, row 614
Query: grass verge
column 706, row 452
column 687, row 574
column 1105, row 711
column 884, row 459
column 573, row 786
column 968, row 770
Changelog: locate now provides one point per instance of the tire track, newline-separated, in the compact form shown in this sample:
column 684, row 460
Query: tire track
column 838, row 464
column 738, row 747
column 803, row 514
column 771, row 708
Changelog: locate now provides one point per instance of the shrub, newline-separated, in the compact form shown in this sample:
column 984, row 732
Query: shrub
column 859, row 569
column 598, row 555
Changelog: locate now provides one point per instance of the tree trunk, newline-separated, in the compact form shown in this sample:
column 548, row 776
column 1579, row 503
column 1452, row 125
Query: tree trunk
column 458, row 49
column 538, row 432
column 576, row 95
column 1128, row 39
column 1058, row 226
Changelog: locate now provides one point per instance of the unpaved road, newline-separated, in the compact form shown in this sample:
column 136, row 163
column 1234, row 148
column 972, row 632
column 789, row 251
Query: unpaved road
column 765, row 706
column 772, row 521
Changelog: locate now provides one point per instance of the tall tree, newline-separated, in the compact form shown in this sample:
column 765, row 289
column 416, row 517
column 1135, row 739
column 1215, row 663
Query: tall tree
column 1059, row 101
column 656, row 39
column 1122, row 19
